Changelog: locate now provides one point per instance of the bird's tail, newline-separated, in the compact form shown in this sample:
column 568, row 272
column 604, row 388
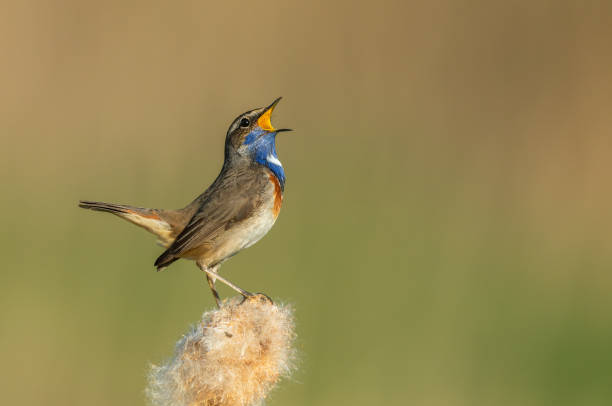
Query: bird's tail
column 149, row 219
column 118, row 209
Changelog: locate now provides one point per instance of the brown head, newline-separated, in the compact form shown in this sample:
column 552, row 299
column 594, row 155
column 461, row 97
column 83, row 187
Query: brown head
column 252, row 138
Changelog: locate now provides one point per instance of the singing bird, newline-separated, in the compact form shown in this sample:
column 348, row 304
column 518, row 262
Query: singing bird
column 235, row 212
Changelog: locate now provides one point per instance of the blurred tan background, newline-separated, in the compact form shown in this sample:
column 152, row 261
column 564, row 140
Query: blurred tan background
column 446, row 232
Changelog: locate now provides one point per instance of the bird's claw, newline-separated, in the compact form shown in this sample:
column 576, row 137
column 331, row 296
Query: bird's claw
column 261, row 297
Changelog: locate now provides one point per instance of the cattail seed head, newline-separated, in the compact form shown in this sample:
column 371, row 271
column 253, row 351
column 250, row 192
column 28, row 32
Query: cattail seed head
column 232, row 357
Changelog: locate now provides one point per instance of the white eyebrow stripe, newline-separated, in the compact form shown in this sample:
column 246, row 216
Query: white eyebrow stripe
column 274, row 160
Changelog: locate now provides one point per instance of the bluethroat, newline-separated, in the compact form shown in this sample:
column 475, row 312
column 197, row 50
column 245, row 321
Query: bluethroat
column 235, row 212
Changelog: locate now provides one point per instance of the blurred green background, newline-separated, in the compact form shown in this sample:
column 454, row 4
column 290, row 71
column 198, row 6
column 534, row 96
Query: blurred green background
column 446, row 232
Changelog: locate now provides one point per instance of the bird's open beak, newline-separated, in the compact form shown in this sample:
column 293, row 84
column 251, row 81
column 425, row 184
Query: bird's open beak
column 264, row 119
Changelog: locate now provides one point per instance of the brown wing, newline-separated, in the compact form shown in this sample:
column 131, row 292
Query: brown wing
column 230, row 200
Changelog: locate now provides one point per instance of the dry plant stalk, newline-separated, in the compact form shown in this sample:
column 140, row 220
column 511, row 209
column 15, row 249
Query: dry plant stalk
column 232, row 357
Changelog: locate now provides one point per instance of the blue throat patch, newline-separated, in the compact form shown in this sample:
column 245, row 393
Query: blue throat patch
column 262, row 147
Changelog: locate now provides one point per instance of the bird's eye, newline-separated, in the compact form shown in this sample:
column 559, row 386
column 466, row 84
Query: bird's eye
column 244, row 122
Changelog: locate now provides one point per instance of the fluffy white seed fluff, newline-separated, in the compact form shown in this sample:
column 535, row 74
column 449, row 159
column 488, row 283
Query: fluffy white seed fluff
column 232, row 357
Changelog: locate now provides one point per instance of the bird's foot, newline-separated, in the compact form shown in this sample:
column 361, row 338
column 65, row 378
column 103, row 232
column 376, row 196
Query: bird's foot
column 252, row 297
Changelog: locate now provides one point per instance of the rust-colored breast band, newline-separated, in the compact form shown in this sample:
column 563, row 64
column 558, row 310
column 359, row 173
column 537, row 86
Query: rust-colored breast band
column 278, row 194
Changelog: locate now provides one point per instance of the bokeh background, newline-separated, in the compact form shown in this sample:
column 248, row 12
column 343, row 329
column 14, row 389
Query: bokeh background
column 446, row 232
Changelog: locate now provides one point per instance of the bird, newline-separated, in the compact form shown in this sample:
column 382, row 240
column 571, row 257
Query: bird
column 233, row 213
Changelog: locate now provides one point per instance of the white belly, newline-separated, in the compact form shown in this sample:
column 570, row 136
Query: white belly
column 258, row 227
column 247, row 233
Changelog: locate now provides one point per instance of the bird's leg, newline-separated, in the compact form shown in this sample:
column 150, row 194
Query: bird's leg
column 210, row 273
column 211, row 282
